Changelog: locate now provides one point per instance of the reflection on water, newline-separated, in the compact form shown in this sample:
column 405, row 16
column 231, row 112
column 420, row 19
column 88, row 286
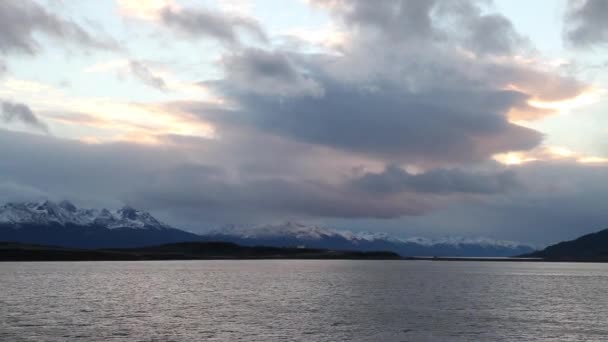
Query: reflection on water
column 303, row 301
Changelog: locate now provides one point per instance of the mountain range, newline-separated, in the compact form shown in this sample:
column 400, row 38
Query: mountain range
column 64, row 224
column 297, row 234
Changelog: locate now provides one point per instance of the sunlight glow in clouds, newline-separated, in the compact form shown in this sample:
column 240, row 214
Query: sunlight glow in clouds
column 539, row 109
column 546, row 154
column 143, row 9
column 139, row 123
column 328, row 38
column 587, row 98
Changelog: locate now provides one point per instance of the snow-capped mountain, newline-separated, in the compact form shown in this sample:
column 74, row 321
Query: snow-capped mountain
column 288, row 229
column 457, row 241
column 64, row 224
column 66, row 213
column 296, row 234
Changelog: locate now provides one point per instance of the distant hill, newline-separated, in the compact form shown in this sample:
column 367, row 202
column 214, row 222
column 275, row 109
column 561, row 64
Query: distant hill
column 178, row 251
column 590, row 247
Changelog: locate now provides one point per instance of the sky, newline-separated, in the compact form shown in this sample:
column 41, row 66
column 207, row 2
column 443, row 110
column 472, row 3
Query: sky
column 414, row 117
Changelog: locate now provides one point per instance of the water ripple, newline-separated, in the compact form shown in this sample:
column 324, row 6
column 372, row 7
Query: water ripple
column 303, row 301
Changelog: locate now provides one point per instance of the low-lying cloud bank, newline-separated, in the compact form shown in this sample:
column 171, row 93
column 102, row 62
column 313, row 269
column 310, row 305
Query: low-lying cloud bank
column 187, row 187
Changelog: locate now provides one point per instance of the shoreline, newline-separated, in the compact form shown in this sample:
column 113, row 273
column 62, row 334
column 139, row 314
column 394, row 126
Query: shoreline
column 18, row 252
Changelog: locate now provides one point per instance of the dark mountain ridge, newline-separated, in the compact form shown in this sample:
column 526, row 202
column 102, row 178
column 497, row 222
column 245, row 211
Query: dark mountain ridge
column 92, row 236
column 590, row 247
column 178, row 251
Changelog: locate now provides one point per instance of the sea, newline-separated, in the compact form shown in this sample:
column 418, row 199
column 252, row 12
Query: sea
column 311, row 300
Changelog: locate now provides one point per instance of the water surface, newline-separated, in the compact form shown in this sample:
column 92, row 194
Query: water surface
column 303, row 301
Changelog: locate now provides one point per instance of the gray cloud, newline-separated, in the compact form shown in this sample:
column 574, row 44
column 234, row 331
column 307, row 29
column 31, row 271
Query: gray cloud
column 268, row 199
column 272, row 72
column 586, row 23
column 398, row 19
column 15, row 192
column 405, row 21
column 380, row 117
column 73, row 170
column 146, row 76
column 385, row 97
column 206, row 23
column 558, row 201
column 21, row 21
column 492, row 34
column 19, row 112
column 439, row 181
column 469, row 22
column 196, row 187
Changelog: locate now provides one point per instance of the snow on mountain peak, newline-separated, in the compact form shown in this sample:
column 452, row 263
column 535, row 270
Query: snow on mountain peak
column 69, row 206
column 312, row 232
column 65, row 213
column 133, row 218
column 457, row 241
column 292, row 229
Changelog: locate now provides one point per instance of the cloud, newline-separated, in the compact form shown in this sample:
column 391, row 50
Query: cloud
column 22, row 21
column 147, row 10
column 70, row 169
column 409, row 21
column 272, row 72
column 379, row 115
column 19, row 112
column 139, row 69
column 559, row 200
column 106, row 119
column 196, row 23
column 269, row 199
column 146, row 76
column 542, row 85
column 555, row 200
column 237, row 181
column 586, row 23
column 447, row 101
column 216, row 182
column 482, row 32
column 398, row 19
column 549, row 153
column 493, row 34
column 438, row 181
column 14, row 192
column 200, row 22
